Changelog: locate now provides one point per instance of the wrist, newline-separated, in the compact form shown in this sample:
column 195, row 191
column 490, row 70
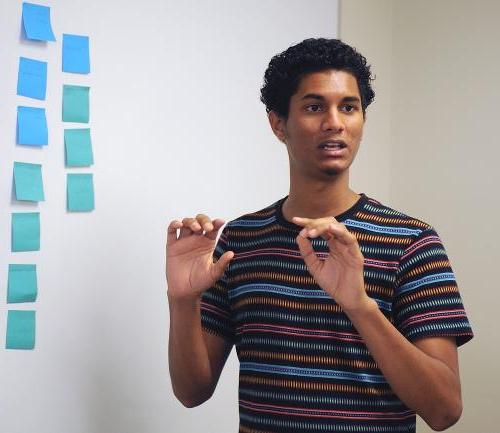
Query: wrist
column 365, row 306
column 183, row 300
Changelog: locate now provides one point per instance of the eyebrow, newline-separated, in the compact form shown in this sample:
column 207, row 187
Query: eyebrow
column 317, row 97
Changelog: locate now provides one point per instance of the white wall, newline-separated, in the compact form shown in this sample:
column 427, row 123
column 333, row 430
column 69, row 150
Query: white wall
column 443, row 62
column 445, row 72
column 367, row 25
column 177, row 128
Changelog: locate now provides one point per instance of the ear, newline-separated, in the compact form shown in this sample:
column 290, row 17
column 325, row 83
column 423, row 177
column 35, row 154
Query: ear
column 278, row 125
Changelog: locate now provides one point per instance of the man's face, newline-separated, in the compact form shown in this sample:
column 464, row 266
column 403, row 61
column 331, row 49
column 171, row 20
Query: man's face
column 324, row 125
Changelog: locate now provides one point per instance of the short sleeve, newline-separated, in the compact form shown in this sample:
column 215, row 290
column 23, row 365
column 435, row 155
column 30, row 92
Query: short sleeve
column 215, row 307
column 427, row 302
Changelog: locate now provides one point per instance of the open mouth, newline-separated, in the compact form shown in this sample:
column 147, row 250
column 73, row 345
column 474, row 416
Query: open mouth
column 332, row 145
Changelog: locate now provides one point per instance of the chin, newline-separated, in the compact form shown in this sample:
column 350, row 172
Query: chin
column 332, row 171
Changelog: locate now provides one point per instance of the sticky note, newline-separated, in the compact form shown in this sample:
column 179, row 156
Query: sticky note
column 32, row 78
column 75, row 104
column 28, row 183
column 80, row 192
column 26, row 231
column 75, row 54
column 32, row 126
column 21, row 326
column 22, row 284
column 78, row 147
column 36, row 22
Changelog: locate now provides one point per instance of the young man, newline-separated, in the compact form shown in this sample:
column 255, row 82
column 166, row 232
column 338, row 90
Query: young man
column 345, row 313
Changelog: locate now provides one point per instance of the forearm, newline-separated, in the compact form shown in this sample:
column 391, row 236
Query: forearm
column 423, row 383
column 189, row 363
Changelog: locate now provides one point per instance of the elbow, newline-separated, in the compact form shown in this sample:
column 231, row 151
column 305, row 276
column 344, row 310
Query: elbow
column 190, row 401
column 446, row 418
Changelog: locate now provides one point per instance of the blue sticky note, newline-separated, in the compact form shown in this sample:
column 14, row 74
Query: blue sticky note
column 75, row 104
column 26, row 231
column 32, row 78
column 75, row 54
column 21, row 326
column 80, row 192
column 36, row 22
column 78, row 147
column 22, row 284
column 28, row 181
column 32, row 126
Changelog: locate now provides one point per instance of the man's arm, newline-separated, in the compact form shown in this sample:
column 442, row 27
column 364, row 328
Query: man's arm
column 424, row 375
column 196, row 358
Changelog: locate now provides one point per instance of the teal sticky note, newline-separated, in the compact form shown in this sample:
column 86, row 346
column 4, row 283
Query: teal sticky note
column 22, row 284
column 21, row 327
column 36, row 22
column 80, row 192
column 78, row 147
column 26, row 231
column 75, row 104
column 32, row 78
column 75, row 54
column 32, row 126
column 28, row 181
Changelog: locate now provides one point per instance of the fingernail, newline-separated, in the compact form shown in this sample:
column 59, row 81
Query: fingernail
column 303, row 233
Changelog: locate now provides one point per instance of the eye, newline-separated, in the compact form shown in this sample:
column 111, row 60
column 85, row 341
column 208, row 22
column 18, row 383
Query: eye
column 313, row 108
column 349, row 108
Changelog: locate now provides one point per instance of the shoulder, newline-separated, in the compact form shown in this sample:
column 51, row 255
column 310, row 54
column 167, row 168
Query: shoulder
column 381, row 215
column 380, row 228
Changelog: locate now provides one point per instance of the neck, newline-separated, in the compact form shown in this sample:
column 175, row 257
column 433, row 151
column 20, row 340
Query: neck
column 313, row 198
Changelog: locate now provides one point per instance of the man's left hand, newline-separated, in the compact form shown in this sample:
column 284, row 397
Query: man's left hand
column 341, row 273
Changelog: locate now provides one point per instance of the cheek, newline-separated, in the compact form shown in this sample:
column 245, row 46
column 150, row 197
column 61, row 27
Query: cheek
column 357, row 130
column 307, row 127
column 297, row 131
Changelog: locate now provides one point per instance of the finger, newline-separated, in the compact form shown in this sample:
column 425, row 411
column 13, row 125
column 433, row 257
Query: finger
column 220, row 266
column 350, row 244
column 205, row 222
column 314, row 227
column 217, row 224
column 340, row 232
column 312, row 261
column 314, row 230
column 172, row 231
column 190, row 225
column 301, row 221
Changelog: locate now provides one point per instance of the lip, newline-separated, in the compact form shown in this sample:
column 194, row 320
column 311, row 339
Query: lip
column 341, row 142
column 334, row 153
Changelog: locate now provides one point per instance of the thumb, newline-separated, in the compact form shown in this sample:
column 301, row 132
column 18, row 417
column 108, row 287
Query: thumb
column 220, row 266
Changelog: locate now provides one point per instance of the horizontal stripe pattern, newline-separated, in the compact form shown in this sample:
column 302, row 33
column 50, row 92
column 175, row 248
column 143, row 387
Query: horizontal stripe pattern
column 303, row 365
column 311, row 372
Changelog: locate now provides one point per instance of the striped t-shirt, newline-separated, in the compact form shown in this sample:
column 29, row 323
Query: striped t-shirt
column 303, row 365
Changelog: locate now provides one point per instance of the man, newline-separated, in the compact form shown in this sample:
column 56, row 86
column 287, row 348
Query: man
column 345, row 313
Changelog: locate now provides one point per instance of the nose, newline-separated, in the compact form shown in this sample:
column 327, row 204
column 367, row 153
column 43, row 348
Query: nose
column 332, row 121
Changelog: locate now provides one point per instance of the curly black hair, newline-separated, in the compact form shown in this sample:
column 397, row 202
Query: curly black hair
column 285, row 70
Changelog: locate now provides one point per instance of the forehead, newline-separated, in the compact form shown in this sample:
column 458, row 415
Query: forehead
column 330, row 82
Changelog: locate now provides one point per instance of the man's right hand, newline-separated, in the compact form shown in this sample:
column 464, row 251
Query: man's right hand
column 190, row 268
